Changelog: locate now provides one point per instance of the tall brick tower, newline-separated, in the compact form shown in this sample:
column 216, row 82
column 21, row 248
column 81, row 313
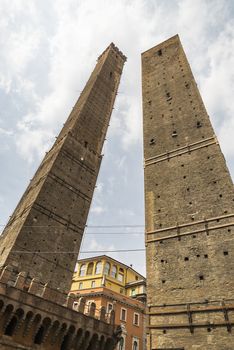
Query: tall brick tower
column 51, row 216
column 189, row 203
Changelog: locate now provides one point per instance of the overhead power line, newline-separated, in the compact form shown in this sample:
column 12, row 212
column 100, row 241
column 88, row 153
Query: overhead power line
column 88, row 226
column 114, row 251
column 114, row 233
column 82, row 252
column 113, row 226
column 106, row 233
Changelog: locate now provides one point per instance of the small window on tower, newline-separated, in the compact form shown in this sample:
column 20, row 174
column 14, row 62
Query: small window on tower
column 159, row 52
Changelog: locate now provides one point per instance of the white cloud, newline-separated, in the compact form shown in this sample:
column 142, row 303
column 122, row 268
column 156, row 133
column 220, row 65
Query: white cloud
column 217, row 86
column 76, row 33
column 1, row 199
column 126, row 212
column 97, row 209
column 5, row 132
column 19, row 39
column 33, row 144
column 99, row 188
column 96, row 246
column 121, row 162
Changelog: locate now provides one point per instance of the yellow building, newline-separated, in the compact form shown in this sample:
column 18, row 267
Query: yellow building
column 109, row 283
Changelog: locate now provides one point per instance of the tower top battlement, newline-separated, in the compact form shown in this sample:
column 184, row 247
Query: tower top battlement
column 117, row 51
column 165, row 43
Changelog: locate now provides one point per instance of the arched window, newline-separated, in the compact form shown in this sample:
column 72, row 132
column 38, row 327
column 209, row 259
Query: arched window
column 39, row 335
column 11, row 326
column 90, row 269
column 135, row 345
column 98, row 268
column 121, row 275
column 121, row 344
column 82, row 270
column 114, row 271
column 107, row 268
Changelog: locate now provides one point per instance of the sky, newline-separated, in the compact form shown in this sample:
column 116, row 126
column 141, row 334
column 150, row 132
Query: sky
column 48, row 51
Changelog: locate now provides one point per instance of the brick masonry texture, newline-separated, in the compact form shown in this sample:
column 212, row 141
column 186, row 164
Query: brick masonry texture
column 189, row 203
column 52, row 213
column 35, row 316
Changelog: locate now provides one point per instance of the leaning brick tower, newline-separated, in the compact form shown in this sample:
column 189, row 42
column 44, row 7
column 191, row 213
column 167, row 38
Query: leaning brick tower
column 189, row 204
column 51, row 216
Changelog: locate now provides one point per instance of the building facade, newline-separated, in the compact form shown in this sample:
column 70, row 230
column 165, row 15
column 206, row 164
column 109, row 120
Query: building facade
column 118, row 287
column 41, row 241
column 189, row 203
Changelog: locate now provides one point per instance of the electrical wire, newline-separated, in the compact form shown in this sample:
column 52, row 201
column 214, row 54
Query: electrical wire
column 88, row 226
column 81, row 252
column 103, row 233
column 114, row 226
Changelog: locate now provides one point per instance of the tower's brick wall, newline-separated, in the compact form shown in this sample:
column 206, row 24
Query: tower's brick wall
column 52, row 213
column 189, row 204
